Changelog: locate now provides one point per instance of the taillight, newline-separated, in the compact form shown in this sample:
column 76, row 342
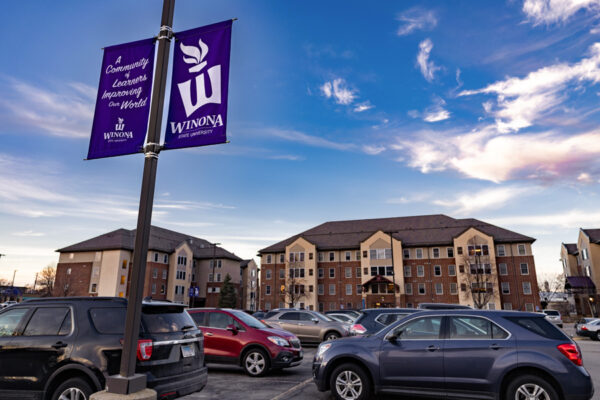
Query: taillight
column 571, row 352
column 144, row 349
column 358, row 329
column 584, row 328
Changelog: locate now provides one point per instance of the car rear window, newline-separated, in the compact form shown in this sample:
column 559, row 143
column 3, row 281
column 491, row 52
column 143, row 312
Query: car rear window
column 389, row 318
column 109, row 320
column 166, row 319
column 270, row 314
column 539, row 326
column 552, row 312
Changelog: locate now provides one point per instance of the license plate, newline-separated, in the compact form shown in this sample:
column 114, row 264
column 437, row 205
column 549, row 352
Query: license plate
column 301, row 354
column 188, row 350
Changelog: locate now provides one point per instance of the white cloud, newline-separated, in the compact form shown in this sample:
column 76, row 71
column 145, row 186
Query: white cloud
column 29, row 233
column 416, row 19
column 523, row 101
column 67, row 112
column 467, row 203
column 427, row 67
column 436, row 112
column 572, row 219
column 339, row 90
column 554, row 11
column 364, row 106
column 288, row 157
column 327, row 89
column 373, row 149
column 309, row 140
column 584, row 177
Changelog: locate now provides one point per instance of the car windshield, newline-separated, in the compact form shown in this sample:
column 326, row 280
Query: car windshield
column 323, row 317
column 552, row 312
column 248, row 320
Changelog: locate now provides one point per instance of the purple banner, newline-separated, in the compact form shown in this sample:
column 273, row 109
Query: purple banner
column 198, row 104
column 123, row 101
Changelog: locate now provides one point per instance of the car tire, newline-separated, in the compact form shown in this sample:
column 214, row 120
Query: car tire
column 73, row 389
column 523, row 388
column 350, row 382
column 256, row 362
column 331, row 335
column 594, row 335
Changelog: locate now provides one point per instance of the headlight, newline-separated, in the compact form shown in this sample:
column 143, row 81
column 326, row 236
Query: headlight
column 322, row 349
column 279, row 341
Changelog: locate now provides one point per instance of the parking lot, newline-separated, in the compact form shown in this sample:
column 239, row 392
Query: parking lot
column 228, row 382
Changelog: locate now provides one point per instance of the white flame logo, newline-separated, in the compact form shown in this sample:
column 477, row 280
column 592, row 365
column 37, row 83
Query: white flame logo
column 195, row 55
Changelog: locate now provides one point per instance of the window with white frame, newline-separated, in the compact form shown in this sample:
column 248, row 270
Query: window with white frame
column 524, row 269
column 358, row 274
column 453, row 288
column 320, row 256
column 501, row 250
column 419, row 253
column 451, row 270
column 282, row 273
column 436, row 253
column 407, row 271
column 348, row 290
column 297, row 272
column 348, row 255
column 502, row 269
column 297, row 256
column 383, row 270
column 491, row 306
column 281, row 258
column 164, row 274
column 268, row 306
column 348, row 272
column 437, row 270
column 526, row 287
column 268, row 290
column 332, row 288
column 529, row 307
column 478, row 249
column 321, row 273
column 155, row 257
column 155, row 273
column 182, row 260
column 522, row 250
column 584, row 254
column 267, row 274
column 269, row 259
column 507, row 306
column 154, row 288
column 210, row 277
column 332, row 272
column 358, row 289
column 331, row 256
column 357, row 255
column 216, row 263
column 420, row 270
column 505, row 288
column 408, row 288
column 380, row 254
column 439, row 288
column 320, row 289
column 450, row 252
column 421, row 288
column 218, row 277
column 406, row 253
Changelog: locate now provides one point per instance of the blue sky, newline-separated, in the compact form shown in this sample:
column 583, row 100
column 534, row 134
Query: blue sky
column 337, row 110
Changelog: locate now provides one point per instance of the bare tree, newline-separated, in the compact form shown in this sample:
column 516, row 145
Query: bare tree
column 478, row 272
column 294, row 289
column 47, row 278
column 550, row 286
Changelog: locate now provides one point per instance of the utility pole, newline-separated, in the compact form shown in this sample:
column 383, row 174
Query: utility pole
column 13, row 281
column 214, row 245
column 128, row 381
column 34, row 282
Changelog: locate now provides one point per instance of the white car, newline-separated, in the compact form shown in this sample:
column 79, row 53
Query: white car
column 554, row 317
column 591, row 329
column 7, row 303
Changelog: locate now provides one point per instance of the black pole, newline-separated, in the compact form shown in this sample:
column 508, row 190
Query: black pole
column 126, row 383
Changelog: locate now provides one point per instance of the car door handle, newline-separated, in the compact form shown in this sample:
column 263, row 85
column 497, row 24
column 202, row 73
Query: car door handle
column 494, row 347
column 432, row 348
column 59, row 345
column 208, row 334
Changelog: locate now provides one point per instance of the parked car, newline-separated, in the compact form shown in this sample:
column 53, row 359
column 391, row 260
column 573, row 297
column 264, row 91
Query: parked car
column 259, row 314
column 457, row 354
column 353, row 313
column 374, row 319
column 443, row 306
column 234, row 337
column 65, row 348
column 8, row 303
column 580, row 323
column 591, row 329
column 554, row 317
column 309, row 326
column 345, row 318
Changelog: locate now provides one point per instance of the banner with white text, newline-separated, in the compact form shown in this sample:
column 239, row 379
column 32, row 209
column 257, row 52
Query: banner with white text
column 199, row 85
column 123, row 100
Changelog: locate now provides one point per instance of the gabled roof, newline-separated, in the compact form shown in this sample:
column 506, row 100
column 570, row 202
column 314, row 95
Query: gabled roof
column 571, row 248
column 593, row 234
column 413, row 231
column 163, row 240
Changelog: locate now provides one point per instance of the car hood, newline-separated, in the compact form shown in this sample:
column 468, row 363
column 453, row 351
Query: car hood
column 278, row 332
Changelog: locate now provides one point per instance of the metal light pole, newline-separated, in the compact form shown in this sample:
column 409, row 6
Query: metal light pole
column 127, row 381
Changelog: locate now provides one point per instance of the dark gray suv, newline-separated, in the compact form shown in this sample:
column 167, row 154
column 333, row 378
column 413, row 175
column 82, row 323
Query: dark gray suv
column 503, row 355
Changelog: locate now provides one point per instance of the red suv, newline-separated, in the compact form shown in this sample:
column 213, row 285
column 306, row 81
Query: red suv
column 234, row 337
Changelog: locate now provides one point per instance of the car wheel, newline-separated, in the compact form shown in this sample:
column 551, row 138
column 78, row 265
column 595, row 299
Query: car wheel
column 73, row 389
column 530, row 387
column 332, row 336
column 350, row 382
column 256, row 362
column 595, row 336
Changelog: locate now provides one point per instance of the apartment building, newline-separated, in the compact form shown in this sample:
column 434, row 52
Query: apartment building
column 581, row 266
column 176, row 262
column 402, row 262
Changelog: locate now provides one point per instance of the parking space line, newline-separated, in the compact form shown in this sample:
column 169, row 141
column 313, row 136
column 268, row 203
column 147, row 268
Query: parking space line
column 292, row 389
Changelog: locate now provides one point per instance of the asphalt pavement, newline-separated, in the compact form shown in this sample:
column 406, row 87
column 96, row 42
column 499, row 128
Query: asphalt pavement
column 231, row 383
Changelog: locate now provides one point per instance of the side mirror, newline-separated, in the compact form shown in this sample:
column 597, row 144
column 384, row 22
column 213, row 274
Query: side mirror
column 315, row 320
column 394, row 336
column 232, row 328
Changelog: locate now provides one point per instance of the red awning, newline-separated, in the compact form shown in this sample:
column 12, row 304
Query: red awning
column 378, row 279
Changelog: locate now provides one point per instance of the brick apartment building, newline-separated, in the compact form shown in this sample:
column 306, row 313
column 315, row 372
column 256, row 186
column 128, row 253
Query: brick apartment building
column 400, row 261
column 101, row 266
column 581, row 266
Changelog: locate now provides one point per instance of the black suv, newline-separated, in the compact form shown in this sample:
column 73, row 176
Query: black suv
column 64, row 348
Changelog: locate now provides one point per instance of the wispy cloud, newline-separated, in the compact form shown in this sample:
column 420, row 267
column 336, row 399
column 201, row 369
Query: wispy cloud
column 523, row 101
column 289, row 157
column 373, row 150
column 436, row 112
column 364, row 106
column 556, row 11
column 309, row 140
column 574, row 218
column 339, row 90
column 189, row 205
column 66, row 112
column 470, row 202
column 416, row 19
column 427, row 67
column 29, row 233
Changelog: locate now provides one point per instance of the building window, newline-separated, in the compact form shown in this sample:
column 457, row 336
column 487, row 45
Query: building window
column 408, row 288
column 439, row 289
column 407, row 271
column 267, row 274
column 182, row 260
column 522, row 251
column 501, row 250
column 478, row 249
column 507, row 306
column 332, row 272
column 348, row 272
column 380, row 254
column 331, row 306
column 502, row 269
column 310, row 256
column 164, row 274
column 358, row 289
column 348, row 256
column 437, row 270
column 420, row 271
column 311, row 272
column 268, row 289
column 459, row 250
column 68, row 271
column 321, row 307
column 310, row 288
column 409, row 305
column 268, row 259
column 268, row 306
column 348, row 290
column 453, row 288
column 219, row 277
column 320, row 289
column 588, row 271
column 524, row 269
column 358, row 255
column 331, row 256
column 123, row 279
column 584, row 254
column 281, row 258
column 505, row 288
column 436, row 253
column 320, row 256
column 406, row 253
column 419, row 253
column 155, row 273
column 461, row 268
column 94, row 288
column 529, row 307
column 297, row 257
column 155, row 257
column 332, row 288
column 154, row 288
column 282, row 273
column 491, row 306
column 210, row 277
column 165, row 259
column 358, row 272
column 451, row 270
column 321, row 274
column 450, row 252
column 421, row 288
column 463, row 287
column 526, row 287
column 162, row 289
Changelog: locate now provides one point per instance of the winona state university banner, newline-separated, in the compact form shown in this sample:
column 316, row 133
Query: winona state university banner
column 123, row 101
column 198, row 104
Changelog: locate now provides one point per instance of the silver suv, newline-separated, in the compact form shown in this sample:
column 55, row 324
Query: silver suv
column 308, row 326
column 554, row 317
